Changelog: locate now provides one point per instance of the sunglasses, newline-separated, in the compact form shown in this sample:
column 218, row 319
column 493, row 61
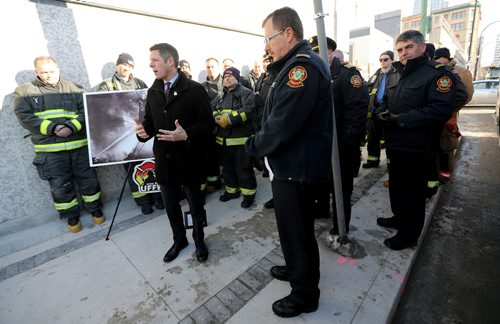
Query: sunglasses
column 384, row 60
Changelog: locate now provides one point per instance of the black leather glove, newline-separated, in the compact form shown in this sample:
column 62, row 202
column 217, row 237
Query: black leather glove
column 387, row 117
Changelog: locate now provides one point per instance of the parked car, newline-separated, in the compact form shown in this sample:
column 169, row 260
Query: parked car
column 485, row 93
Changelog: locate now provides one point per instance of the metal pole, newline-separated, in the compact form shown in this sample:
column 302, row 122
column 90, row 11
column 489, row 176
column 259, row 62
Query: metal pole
column 337, row 184
column 472, row 37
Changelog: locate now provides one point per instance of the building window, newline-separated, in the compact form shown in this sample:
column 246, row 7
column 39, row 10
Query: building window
column 458, row 15
column 415, row 24
column 457, row 27
column 406, row 26
column 436, row 19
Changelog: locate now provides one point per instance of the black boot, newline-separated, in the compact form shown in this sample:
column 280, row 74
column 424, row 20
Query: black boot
column 248, row 201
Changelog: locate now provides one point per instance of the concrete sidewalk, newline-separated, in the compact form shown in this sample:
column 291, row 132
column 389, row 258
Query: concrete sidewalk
column 81, row 278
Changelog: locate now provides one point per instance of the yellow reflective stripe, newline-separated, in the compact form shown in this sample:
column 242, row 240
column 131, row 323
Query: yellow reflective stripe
column 372, row 158
column 138, row 194
column 219, row 140
column 92, row 198
column 66, row 205
column 213, row 178
column 226, row 111
column 57, row 147
column 44, row 127
column 231, row 190
column 243, row 115
column 236, row 141
column 248, row 192
column 77, row 124
column 374, row 91
column 56, row 113
column 432, row 184
column 203, row 186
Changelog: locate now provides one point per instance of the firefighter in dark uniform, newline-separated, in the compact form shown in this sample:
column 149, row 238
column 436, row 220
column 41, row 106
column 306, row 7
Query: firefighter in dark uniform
column 52, row 110
column 123, row 79
column 419, row 100
column 374, row 127
column 233, row 113
column 296, row 143
column 350, row 96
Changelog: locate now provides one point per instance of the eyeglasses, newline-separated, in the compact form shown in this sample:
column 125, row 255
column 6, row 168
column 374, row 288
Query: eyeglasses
column 384, row 60
column 268, row 38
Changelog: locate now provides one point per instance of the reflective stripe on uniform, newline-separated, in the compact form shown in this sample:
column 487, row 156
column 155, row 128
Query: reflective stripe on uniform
column 64, row 146
column 248, row 192
column 92, row 198
column 236, row 141
column 77, row 124
column 213, row 178
column 44, row 127
column 66, row 205
column 231, row 190
column 372, row 158
column 138, row 194
column 243, row 115
column 432, row 184
column 56, row 113
column 231, row 141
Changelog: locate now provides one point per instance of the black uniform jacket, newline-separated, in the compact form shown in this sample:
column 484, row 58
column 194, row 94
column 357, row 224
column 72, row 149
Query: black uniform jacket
column 297, row 129
column 188, row 103
column 373, row 85
column 40, row 107
column 422, row 93
column 350, row 95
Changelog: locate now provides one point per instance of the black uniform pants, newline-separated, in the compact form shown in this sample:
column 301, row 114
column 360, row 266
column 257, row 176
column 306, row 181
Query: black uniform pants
column 237, row 170
column 375, row 132
column 408, row 176
column 212, row 164
column 171, row 196
column 65, row 169
column 293, row 203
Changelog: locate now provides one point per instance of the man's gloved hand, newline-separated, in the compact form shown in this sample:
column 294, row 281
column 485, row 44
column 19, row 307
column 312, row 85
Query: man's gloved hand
column 387, row 117
column 222, row 121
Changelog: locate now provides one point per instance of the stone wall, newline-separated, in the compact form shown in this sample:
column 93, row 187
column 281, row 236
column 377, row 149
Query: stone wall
column 86, row 42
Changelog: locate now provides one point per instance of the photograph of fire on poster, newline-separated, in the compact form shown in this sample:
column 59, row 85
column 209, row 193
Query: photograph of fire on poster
column 111, row 127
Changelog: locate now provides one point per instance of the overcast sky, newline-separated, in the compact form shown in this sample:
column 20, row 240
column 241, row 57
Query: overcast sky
column 248, row 15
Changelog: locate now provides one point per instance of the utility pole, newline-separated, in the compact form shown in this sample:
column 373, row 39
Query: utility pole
column 470, row 41
column 424, row 19
column 323, row 51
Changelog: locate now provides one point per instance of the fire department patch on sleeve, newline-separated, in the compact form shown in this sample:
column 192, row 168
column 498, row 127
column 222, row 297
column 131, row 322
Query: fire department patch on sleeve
column 356, row 81
column 296, row 76
column 444, row 84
